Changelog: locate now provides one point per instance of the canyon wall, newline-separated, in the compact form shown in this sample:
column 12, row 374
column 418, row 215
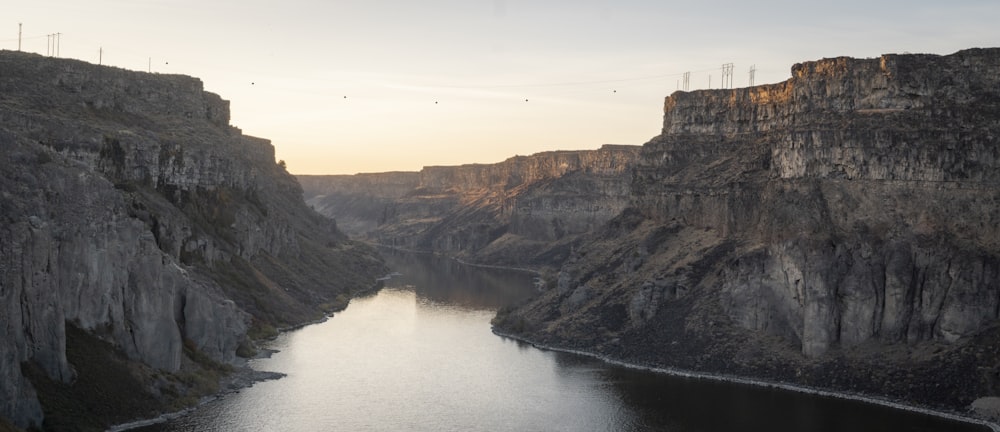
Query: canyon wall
column 526, row 210
column 839, row 229
column 134, row 212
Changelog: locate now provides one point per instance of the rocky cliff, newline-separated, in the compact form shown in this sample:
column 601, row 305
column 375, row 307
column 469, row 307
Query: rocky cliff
column 134, row 214
column 840, row 229
column 526, row 210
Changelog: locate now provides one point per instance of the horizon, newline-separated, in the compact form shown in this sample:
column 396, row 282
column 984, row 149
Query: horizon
column 346, row 88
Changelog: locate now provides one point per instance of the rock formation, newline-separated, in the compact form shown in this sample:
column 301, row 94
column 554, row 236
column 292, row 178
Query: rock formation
column 134, row 212
column 840, row 229
column 527, row 210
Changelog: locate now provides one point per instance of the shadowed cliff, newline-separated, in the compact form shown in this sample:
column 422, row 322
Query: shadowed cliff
column 137, row 219
column 839, row 229
column 524, row 211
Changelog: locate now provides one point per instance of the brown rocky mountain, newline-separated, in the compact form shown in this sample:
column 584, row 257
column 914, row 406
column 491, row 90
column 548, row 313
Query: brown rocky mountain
column 143, row 239
column 840, row 230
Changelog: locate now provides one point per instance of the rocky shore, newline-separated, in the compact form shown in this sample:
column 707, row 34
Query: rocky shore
column 242, row 376
column 985, row 415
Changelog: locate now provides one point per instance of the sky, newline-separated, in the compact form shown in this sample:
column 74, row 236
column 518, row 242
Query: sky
column 342, row 87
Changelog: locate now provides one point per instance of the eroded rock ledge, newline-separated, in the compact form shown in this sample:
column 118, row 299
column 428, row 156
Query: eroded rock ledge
column 840, row 229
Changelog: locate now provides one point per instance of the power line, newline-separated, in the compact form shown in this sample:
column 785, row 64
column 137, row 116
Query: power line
column 53, row 48
column 23, row 38
column 572, row 83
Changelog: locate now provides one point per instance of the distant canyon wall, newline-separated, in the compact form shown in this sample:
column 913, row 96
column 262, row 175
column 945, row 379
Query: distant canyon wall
column 527, row 209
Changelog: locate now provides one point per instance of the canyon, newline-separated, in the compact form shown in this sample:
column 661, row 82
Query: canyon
column 526, row 211
column 838, row 230
column 146, row 243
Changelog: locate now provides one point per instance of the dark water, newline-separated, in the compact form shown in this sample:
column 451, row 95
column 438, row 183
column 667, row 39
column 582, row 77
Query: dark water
column 419, row 356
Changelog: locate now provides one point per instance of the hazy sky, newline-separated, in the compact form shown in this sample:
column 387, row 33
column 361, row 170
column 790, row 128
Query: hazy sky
column 365, row 86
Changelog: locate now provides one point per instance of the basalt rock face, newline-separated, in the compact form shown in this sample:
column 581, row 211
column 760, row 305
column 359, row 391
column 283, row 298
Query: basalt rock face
column 134, row 212
column 839, row 229
column 527, row 210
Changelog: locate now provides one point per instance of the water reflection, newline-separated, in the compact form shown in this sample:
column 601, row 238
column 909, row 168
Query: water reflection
column 419, row 356
column 444, row 281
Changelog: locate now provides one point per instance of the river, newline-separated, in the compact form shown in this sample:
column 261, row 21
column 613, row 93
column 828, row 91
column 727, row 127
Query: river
column 420, row 356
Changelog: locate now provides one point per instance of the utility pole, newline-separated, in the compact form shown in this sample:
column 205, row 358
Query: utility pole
column 18, row 37
column 709, row 81
column 727, row 75
column 753, row 71
column 149, row 66
column 52, row 44
column 100, row 55
column 687, row 81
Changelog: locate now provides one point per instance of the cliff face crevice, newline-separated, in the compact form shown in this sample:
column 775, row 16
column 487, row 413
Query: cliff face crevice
column 128, row 202
column 850, row 209
column 526, row 210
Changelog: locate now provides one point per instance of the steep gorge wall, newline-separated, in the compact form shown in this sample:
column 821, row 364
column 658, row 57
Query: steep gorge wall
column 519, row 211
column 851, row 208
column 892, row 160
column 134, row 212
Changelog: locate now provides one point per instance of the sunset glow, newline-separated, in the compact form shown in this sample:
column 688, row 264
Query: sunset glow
column 345, row 87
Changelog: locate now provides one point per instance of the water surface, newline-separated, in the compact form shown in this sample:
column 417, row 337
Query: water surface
column 419, row 356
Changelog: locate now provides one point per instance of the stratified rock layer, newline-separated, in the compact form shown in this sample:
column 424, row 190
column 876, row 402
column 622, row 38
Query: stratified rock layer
column 133, row 211
column 527, row 210
column 839, row 229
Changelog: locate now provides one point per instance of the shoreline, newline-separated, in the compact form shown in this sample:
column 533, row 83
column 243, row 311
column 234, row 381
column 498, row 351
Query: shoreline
column 241, row 378
column 995, row 427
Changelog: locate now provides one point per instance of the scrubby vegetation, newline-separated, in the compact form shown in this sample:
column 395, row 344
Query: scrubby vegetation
column 109, row 388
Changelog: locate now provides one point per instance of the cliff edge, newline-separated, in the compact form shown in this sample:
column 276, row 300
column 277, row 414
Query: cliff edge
column 143, row 239
column 840, row 230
